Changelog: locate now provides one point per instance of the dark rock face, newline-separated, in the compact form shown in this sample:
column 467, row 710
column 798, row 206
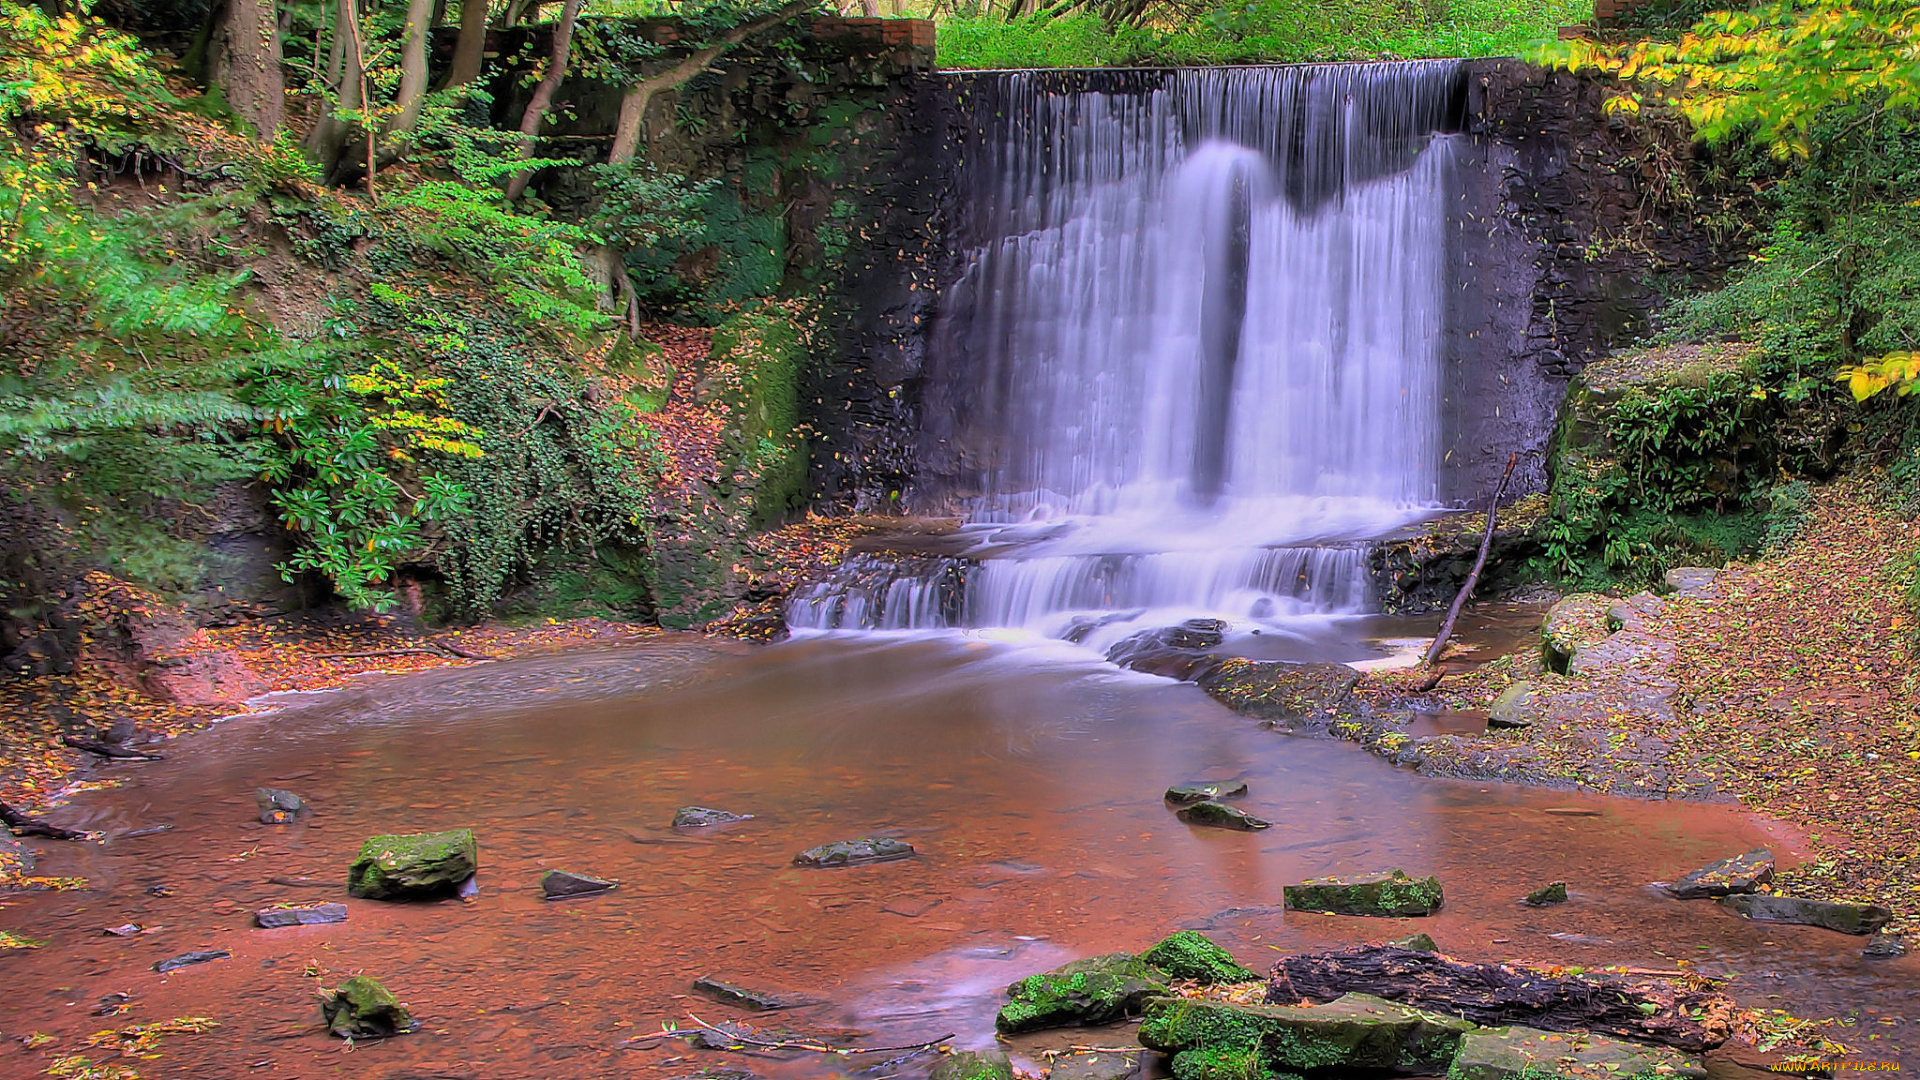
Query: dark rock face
column 317, row 915
column 559, row 885
column 1197, row 790
column 1841, row 917
column 361, row 1008
column 1220, row 815
column 869, row 849
column 1734, row 874
column 747, row 997
column 175, row 963
column 419, row 866
column 278, row 806
column 1096, row 990
column 1177, row 652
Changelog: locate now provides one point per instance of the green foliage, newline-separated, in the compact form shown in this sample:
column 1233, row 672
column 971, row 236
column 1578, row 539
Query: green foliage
column 1256, row 31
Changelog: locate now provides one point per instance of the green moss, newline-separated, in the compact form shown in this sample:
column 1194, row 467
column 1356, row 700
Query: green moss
column 361, row 1008
column 414, row 866
column 1221, row 1063
column 1190, row 955
column 1355, row 1032
column 1389, row 895
column 1096, row 990
column 973, row 1065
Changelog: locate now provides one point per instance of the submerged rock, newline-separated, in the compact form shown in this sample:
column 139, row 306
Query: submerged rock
column 1734, row 874
column 361, row 1008
column 1275, row 690
column 1208, row 812
column 1575, row 623
column 559, row 885
column 316, row 915
column 1885, row 945
column 1514, row 1053
column 1421, row 942
column 278, row 806
column 416, row 866
column 1197, row 790
column 695, row 817
column 748, row 998
column 1177, row 652
column 1096, row 990
column 867, row 849
column 1353, row 1032
column 1389, row 895
column 973, row 1065
column 1553, row 893
column 1192, row 956
column 1845, row 918
column 175, row 963
column 1095, row 1066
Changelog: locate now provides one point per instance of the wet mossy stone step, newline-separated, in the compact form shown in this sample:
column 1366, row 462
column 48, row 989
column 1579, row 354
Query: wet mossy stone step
column 1279, row 690
column 361, row 1008
column 1840, row 916
column 1353, row 1032
column 1191, row 956
column 1096, row 1065
column 1391, row 894
column 1524, row 1053
column 867, row 849
column 973, row 1065
column 1096, row 990
column 414, row 866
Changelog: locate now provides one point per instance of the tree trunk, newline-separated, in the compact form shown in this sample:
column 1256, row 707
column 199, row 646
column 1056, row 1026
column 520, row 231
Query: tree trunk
column 199, row 63
column 633, row 106
column 328, row 140
column 471, row 47
column 543, row 94
column 256, row 90
column 870, row 8
column 413, row 79
column 1669, row 1013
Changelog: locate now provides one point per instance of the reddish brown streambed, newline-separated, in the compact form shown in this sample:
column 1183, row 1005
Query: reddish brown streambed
column 1031, row 790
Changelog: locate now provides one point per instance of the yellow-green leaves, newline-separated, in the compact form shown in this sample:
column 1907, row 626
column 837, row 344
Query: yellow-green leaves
column 1899, row 370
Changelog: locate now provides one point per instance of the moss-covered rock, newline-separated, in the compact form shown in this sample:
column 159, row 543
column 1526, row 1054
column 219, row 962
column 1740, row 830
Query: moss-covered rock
column 1389, row 895
column 973, row 1065
column 361, row 1008
column 1523, row 1053
column 1197, row 790
column 1518, row 706
column 1096, row 1065
column 1274, row 690
column 1220, row 815
column 417, row 866
column 1724, row 877
column 1421, row 942
column 1353, row 1032
column 1574, row 623
column 1191, row 955
column 1551, row 893
column 1223, row 1063
column 1838, row 916
column 1096, row 990
column 867, row 849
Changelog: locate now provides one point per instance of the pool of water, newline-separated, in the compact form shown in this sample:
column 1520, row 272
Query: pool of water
column 1029, row 781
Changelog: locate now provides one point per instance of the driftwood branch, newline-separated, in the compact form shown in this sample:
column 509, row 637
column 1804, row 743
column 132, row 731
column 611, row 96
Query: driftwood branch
column 24, row 824
column 1672, row 1013
column 1473, row 576
column 108, row 750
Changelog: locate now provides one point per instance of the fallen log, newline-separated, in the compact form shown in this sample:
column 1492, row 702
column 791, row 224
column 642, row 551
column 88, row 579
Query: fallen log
column 108, row 750
column 1668, row 1013
column 24, row 824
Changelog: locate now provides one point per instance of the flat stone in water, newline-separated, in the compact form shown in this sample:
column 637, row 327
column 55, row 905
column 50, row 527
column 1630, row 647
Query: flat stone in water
column 867, row 849
column 175, row 963
column 317, row 915
column 559, row 884
column 1884, row 945
column 1511, row 1053
column 1421, row 942
column 1842, row 917
column 1208, row 812
column 278, row 806
column 1388, row 895
column 749, row 998
column 973, row 1065
column 1734, row 874
column 695, row 817
column 1089, row 1066
column 1554, row 893
column 1352, row 1032
column 1197, row 790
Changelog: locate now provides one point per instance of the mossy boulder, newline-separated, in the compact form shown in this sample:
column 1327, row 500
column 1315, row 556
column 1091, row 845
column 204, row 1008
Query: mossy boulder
column 1523, row 1053
column 1518, row 706
column 1192, row 956
column 1554, row 892
column 361, row 1008
column 1388, row 895
column 1096, row 990
column 973, row 1065
column 416, row 866
column 1574, row 623
column 1352, row 1032
column 1275, row 690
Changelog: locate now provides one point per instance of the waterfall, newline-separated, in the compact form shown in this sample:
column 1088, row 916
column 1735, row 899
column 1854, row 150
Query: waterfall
column 1194, row 353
